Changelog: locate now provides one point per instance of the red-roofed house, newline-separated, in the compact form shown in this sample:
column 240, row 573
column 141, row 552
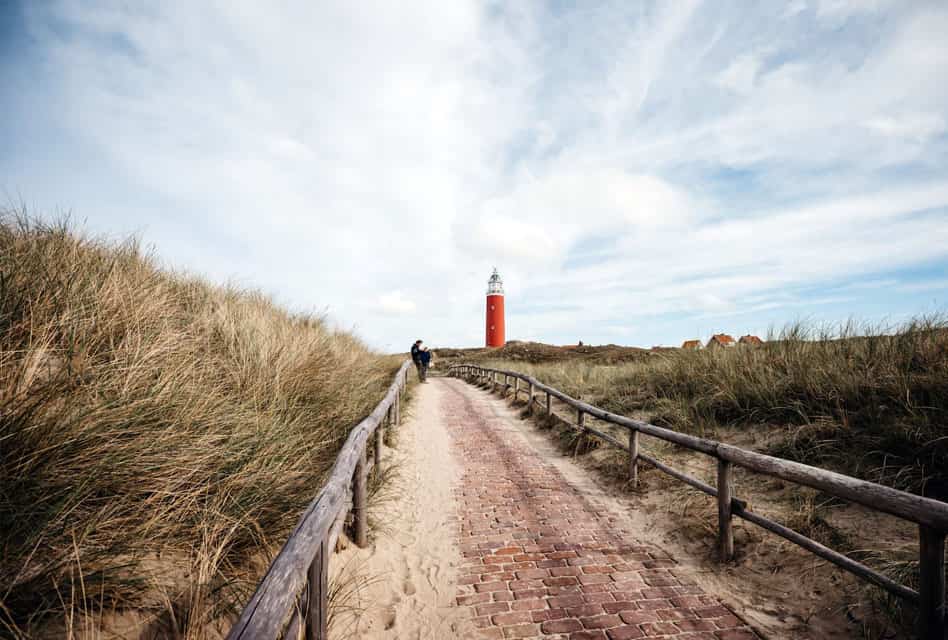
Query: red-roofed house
column 721, row 340
column 751, row 341
column 691, row 344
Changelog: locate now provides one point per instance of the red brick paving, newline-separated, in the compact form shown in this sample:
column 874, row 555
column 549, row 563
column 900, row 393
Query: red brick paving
column 541, row 561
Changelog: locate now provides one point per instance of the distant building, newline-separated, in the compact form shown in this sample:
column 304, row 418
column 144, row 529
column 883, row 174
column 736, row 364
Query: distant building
column 751, row 341
column 691, row 344
column 721, row 340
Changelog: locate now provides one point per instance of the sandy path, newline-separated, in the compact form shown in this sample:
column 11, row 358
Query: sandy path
column 404, row 585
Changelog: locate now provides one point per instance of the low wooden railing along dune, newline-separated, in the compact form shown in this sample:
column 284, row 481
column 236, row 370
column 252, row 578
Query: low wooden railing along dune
column 293, row 595
column 930, row 515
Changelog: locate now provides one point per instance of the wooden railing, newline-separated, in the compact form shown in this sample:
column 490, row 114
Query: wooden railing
column 930, row 515
column 293, row 595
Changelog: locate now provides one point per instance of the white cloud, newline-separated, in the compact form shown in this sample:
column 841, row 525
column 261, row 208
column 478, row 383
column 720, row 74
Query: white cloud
column 919, row 127
column 740, row 75
column 839, row 10
column 396, row 303
column 617, row 162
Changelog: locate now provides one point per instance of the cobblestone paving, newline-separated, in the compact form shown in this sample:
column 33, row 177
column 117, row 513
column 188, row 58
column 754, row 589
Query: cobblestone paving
column 540, row 561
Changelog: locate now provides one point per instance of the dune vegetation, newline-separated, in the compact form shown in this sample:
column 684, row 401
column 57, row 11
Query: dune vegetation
column 871, row 402
column 159, row 436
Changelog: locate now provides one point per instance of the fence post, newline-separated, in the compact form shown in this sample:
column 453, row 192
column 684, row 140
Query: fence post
column 725, row 532
column 931, row 583
column 530, row 399
column 549, row 403
column 318, row 599
column 581, row 419
column 398, row 408
column 379, row 437
column 634, row 457
column 360, row 518
column 516, row 388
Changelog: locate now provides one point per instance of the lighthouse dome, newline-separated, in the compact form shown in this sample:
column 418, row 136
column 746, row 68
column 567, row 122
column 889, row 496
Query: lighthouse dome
column 495, row 286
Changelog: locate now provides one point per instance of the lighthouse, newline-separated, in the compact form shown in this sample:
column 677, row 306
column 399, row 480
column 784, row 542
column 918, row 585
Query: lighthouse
column 495, row 311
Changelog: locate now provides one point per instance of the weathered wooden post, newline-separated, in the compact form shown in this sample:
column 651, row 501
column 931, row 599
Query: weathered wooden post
column 398, row 408
column 931, row 583
column 725, row 532
column 530, row 399
column 581, row 419
column 634, row 457
column 549, row 403
column 516, row 388
column 360, row 517
column 317, row 605
column 379, row 436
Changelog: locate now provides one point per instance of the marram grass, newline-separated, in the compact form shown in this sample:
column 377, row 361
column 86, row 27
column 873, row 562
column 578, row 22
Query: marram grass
column 159, row 436
column 867, row 401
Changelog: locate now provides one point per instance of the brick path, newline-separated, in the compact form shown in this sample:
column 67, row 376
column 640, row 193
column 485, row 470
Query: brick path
column 540, row 561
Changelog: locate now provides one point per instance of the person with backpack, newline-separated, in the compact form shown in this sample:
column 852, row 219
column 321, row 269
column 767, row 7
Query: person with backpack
column 425, row 357
column 416, row 358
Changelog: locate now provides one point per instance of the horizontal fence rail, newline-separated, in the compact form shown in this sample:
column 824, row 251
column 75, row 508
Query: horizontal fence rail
column 293, row 595
column 930, row 515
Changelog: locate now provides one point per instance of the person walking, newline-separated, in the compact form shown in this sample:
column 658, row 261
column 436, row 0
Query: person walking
column 425, row 357
column 416, row 358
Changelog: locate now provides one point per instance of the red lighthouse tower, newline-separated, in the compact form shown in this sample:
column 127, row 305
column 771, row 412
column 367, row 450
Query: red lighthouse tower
column 495, row 311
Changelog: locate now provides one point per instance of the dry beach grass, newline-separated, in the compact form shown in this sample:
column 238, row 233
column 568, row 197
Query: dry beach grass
column 869, row 401
column 159, row 436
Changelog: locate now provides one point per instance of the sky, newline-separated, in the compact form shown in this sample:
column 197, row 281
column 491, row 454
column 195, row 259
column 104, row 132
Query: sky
column 641, row 173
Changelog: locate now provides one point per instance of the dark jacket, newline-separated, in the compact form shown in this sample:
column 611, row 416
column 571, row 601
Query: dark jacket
column 425, row 357
column 415, row 351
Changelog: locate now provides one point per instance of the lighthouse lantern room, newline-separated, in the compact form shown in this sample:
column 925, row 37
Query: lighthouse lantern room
column 495, row 311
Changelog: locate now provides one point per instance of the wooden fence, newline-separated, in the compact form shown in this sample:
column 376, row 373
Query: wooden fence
column 931, row 516
column 292, row 598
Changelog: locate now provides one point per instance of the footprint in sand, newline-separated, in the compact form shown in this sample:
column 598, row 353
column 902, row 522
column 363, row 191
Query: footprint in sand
column 408, row 588
column 389, row 619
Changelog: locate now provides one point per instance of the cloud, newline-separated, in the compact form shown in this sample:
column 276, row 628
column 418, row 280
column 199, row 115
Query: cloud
column 840, row 10
column 395, row 303
column 646, row 166
column 739, row 76
column 916, row 126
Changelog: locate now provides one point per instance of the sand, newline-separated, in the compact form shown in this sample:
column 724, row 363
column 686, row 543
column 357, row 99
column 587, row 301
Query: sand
column 404, row 585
